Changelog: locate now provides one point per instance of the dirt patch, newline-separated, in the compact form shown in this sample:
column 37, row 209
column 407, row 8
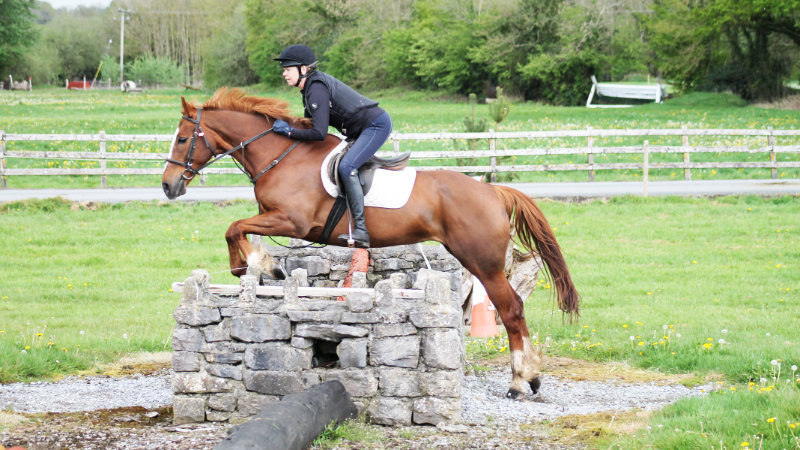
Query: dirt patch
column 790, row 102
column 122, row 428
column 141, row 363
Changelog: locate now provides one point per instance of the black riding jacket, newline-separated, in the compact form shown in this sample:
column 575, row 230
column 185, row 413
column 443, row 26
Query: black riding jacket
column 329, row 102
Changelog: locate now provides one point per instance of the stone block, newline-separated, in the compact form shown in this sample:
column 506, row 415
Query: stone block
column 399, row 383
column 213, row 415
column 390, row 411
column 399, row 280
column 222, row 402
column 357, row 382
column 260, row 328
column 248, row 284
column 198, row 383
column 277, row 356
column 392, row 264
column 359, row 279
column 441, row 383
column 195, row 315
column 441, row 348
column 391, row 315
column 359, row 302
column 328, row 332
column 187, row 340
column 352, row 353
column 433, row 411
column 218, row 332
column 396, row 352
column 278, row 383
column 301, row 275
column 382, row 330
column 349, row 317
column 435, row 317
column 224, row 352
column 301, row 342
column 250, row 403
column 314, row 265
column 384, row 297
column 314, row 316
column 187, row 409
column 225, row 371
column 187, row 361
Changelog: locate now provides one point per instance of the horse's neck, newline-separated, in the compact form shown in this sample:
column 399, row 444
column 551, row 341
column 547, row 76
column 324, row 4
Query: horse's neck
column 260, row 153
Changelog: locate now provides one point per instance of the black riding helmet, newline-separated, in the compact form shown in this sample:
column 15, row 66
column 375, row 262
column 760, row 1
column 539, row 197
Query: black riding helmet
column 297, row 55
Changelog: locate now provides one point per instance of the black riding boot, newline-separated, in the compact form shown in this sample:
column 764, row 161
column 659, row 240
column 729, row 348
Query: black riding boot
column 355, row 199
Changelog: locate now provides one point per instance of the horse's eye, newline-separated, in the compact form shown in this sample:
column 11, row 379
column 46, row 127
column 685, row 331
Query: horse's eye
column 182, row 140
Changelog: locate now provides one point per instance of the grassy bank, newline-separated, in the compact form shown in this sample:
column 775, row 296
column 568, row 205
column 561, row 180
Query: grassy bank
column 706, row 286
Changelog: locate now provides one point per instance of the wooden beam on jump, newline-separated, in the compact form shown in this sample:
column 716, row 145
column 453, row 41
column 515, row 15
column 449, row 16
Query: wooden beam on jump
column 277, row 291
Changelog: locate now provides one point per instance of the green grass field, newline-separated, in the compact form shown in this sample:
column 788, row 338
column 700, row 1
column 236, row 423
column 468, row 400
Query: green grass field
column 54, row 110
column 702, row 286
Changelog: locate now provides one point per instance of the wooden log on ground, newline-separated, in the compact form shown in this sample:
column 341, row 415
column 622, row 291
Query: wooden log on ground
column 295, row 421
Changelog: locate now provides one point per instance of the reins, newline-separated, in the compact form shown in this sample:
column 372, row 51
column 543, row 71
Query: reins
column 198, row 132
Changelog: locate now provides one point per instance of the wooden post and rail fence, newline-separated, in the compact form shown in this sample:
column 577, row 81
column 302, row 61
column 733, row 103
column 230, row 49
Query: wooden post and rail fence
column 585, row 143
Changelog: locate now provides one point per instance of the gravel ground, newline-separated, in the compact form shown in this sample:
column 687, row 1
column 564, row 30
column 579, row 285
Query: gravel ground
column 134, row 412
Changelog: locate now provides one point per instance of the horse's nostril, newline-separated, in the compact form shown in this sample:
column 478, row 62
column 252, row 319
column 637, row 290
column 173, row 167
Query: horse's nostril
column 166, row 187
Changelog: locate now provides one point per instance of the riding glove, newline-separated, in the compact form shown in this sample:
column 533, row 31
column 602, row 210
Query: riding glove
column 282, row 127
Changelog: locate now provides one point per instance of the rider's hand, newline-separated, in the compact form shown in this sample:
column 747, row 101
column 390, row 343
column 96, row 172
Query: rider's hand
column 282, row 127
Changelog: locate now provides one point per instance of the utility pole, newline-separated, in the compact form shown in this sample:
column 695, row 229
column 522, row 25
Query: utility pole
column 122, row 13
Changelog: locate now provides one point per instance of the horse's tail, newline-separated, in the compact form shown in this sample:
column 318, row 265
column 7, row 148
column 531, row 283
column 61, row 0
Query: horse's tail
column 535, row 234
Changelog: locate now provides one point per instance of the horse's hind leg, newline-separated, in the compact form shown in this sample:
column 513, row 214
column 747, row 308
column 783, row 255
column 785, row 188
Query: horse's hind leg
column 525, row 360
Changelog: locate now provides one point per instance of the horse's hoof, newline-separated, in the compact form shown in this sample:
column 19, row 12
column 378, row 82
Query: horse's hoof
column 514, row 394
column 535, row 384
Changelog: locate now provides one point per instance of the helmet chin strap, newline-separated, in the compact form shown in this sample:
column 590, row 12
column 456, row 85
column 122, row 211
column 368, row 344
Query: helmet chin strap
column 303, row 76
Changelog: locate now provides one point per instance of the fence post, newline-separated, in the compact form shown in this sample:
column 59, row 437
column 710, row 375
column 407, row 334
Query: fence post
column 645, row 166
column 395, row 143
column 3, row 157
column 103, row 165
column 493, row 159
column 687, row 172
column 772, row 157
column 590, row 155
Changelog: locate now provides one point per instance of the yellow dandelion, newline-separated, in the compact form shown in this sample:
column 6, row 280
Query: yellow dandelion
column 771, row 419
column 624, row 325
column 744, row 444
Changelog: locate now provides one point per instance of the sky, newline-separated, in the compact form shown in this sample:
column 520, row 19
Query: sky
column 71, row 4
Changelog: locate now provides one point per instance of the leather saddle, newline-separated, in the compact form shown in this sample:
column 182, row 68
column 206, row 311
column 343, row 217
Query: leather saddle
column 367, row 171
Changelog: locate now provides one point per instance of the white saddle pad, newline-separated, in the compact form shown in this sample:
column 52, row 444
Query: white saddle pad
column 390, row 188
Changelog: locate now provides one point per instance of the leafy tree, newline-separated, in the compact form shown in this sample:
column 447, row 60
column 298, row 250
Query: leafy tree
column 741, row 45
column 150, row 70
column 16, row 31
column 226, row 55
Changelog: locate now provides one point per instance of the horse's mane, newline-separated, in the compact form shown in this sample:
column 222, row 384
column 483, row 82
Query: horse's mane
column 235, row 99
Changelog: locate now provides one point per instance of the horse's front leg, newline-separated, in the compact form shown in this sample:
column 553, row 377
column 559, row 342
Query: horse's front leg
column 240, row 250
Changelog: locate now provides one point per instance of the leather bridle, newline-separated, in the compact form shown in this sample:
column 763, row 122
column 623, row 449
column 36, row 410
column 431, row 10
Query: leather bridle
column 198, row 132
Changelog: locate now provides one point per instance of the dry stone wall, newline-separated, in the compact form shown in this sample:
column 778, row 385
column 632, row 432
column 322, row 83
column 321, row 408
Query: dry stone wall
column 401, row 359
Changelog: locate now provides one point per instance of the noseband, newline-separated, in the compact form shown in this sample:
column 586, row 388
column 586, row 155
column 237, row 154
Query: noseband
column 198, row 131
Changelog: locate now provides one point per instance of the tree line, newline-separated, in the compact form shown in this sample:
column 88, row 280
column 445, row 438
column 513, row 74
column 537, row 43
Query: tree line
column 543, row 50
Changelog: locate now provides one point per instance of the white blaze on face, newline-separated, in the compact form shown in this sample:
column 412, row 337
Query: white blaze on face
column 172, row 146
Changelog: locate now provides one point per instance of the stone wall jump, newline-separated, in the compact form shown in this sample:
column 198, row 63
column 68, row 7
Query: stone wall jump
column 399, row 352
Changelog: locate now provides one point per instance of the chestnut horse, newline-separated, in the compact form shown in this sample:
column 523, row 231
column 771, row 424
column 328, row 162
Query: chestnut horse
column 471, row 219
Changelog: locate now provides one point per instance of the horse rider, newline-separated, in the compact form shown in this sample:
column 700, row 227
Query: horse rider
column 330, row 102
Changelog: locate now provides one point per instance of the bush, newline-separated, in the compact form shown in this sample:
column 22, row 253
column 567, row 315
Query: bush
column 562, row 79
column 150, row 70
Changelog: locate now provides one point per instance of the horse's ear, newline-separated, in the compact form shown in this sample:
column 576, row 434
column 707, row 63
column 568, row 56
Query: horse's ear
column 185, row 106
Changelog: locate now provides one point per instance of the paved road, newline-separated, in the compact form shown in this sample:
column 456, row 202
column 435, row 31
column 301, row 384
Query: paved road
column 560, row 191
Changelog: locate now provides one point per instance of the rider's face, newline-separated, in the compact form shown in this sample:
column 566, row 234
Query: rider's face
column 291, row 74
